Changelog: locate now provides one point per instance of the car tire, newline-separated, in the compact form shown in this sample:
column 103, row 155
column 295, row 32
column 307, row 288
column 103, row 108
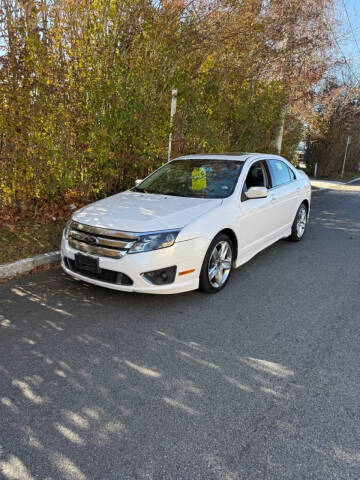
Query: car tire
column 298, row 228
column 213, row 275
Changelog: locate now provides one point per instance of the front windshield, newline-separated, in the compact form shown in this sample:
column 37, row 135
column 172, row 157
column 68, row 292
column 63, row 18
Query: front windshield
column 194, row 178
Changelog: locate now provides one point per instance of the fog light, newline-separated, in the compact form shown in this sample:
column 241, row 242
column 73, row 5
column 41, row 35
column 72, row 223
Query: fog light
column 164, row 276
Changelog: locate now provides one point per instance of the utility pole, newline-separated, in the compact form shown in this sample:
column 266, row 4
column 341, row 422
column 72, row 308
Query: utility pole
column 346, row 151
column 279, row 138
column 172, row 113
column 287, row 65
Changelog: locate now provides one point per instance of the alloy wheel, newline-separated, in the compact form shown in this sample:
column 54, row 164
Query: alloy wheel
column 301, row 221
column 220, row 264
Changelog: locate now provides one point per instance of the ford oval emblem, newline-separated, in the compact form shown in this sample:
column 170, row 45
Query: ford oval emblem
column 91, row 240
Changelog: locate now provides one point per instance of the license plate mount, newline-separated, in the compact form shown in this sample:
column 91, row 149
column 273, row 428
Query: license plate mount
column 85, row 263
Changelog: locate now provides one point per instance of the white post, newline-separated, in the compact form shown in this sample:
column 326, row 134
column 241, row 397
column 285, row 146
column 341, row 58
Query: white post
column 280, row 135
column 315, row 170
column 346, row 150
column 172, row 113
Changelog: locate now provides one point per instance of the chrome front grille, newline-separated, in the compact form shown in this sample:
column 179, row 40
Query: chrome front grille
column 100, row 241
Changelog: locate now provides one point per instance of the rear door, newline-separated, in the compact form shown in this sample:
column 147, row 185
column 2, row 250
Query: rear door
column 283, row 192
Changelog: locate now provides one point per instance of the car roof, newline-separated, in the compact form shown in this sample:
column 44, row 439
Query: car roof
column 240, row 156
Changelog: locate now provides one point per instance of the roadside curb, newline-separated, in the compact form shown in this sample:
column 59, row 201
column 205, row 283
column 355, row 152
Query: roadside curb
column 25, row 265
column 353, row 180
column 329, row 185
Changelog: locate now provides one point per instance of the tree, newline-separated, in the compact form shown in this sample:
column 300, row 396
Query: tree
column 85, row 87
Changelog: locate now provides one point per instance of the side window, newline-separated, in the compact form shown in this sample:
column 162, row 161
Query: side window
column 280, row 172
column 256, row 177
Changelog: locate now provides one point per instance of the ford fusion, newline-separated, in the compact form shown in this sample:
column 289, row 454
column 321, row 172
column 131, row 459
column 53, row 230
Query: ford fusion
column 188, row 224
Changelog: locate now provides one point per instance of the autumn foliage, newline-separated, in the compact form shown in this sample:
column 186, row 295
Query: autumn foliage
column 337, row 117
column 85, row 87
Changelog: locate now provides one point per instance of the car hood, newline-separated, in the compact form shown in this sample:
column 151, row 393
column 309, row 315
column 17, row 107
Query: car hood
column 141, row 212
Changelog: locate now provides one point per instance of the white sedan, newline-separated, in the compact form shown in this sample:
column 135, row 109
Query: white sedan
column 188, row 224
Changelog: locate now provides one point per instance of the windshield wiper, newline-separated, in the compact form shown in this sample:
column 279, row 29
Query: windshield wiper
column 138, row 189
column 167, row 193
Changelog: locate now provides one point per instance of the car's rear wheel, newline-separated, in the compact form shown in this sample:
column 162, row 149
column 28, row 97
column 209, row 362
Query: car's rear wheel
column 299, row 226
column 217, row 265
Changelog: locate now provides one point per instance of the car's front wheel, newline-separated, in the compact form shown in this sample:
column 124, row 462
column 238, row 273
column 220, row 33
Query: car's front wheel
column 217, row 265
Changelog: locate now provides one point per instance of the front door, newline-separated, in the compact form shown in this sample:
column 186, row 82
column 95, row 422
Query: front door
column 255, row 223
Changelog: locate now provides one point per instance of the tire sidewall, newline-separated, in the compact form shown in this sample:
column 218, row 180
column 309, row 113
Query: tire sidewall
column 204, row 283
column 294, row 233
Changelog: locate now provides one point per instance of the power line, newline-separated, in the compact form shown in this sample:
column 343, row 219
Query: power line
column 350, row 24
column 345, row 59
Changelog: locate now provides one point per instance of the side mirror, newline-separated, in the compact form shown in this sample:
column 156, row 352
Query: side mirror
column 256, row 192
column 138, row 181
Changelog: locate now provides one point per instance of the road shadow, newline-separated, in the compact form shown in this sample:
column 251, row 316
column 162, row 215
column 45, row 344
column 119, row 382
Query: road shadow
column 260, row 381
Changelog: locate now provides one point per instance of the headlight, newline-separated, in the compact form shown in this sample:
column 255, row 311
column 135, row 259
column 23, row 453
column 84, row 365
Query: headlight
column 154, row 241
column 67, row 229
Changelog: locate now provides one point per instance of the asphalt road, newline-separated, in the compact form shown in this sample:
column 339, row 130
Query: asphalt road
column 261, row 381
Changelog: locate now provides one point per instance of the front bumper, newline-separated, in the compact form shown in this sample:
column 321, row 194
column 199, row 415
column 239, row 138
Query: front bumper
column 187, row 255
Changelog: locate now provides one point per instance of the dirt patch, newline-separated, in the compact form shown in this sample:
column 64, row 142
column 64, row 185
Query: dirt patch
column 27, row 238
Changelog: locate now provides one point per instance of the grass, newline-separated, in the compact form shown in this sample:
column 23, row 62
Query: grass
column 27, row 238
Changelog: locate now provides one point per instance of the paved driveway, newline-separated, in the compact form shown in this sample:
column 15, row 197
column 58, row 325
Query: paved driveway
column 258, row 382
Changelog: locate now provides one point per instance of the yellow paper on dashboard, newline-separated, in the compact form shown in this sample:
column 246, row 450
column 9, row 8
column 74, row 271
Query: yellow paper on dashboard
column 198, row 178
